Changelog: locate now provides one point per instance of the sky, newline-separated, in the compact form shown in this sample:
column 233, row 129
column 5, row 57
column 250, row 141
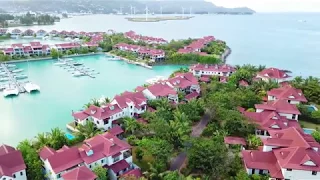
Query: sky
column 272, row 5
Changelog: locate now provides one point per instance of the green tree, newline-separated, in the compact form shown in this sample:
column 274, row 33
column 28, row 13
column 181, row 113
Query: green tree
column 131, row 125
column 87, row 131
column 95, row 102
column 32, row 160
column 242, row 175
column 160, row 149
column 57, row 138
column 55, row 53
column 254, row 142
column 208, row 156
column 101, row 172
column 194, row 109
column 139, row 154
column 316, row 135
column 42, row 139
column 155, row 170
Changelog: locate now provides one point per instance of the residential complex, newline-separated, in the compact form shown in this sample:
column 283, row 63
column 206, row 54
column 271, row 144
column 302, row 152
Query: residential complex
column 104, row 150
column 273, row 74
column 147, row 39
column 143, row 52
column 12, row 165
column 196, row 46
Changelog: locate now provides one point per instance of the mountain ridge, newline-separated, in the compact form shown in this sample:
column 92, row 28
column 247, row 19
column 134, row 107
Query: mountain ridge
column 119, row 6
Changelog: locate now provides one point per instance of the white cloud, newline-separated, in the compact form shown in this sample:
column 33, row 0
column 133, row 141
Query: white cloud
column 273, row 5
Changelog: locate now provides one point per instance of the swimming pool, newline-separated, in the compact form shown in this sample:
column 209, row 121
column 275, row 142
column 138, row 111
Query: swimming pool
column 308, row 131
column 69, row 136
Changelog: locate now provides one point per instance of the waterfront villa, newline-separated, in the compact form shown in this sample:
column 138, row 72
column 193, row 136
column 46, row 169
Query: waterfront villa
column 128, row 104
column 15, row 33
column 28, row 33
column 104, row 150
column 54, row 33
column 161, row 90
column 200, row 70
column 196, row 46
column 147, row 39
column 288, row 93
column 286, row 154
column 185, row 82
column 41, row 33
column 143, row 52
column 12, row 165
column 273, row 74
column 3, row 31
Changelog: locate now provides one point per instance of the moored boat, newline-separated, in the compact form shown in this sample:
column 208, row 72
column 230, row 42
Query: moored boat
column 29, row 87
column 10, row 91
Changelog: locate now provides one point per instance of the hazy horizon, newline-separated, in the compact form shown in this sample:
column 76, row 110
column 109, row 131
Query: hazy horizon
column 272, row 5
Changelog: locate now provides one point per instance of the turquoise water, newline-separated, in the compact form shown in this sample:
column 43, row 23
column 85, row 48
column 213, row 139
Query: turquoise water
column 27, row 114
column 308, row 131
column 281, row 40
column 70, row 136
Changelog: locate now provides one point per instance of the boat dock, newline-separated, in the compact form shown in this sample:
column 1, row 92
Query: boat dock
column 12, row 78
column 77, row 68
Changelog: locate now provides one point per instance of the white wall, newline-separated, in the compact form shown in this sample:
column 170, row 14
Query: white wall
column 288, row 116
column 299, row 175
column 148, row 94
column 18, row 176
column 267, row 148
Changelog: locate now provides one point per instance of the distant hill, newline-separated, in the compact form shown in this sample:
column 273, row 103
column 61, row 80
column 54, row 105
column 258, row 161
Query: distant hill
column 119, row 6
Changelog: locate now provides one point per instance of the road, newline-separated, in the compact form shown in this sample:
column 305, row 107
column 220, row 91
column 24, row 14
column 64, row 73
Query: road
column 196, row 132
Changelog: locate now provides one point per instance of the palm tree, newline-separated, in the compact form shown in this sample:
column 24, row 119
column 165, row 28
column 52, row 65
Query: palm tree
column 131, row 125
column 154, row 171
column 42, row 139
column 58, row 138
column 180, row 116
column 106, row 100
column 95, row 102
column 87, row 105
column 87, row 131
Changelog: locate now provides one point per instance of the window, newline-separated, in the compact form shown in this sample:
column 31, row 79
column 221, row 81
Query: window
column 289, row 101
column 102, row 161
column 261, row 171
column 90, row 166
column 21, row 173
column 314, row 173
column 58, row 176
column 116, row 159
column 95, row 163
column 289, row 169
column 14, row 176
column 253, row 170
column 97, row 122
column 294, row 116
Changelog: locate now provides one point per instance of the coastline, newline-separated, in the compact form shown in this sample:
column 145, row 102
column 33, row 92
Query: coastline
column 130, row 61
column 158, row 19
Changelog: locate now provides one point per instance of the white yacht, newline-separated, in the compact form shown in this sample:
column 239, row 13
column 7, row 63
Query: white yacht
column 29, row 87
column 17, row 70
column 60, row 63
column 78, row 73
column 11, row 65
column 4, row 79
column 22, row 76
column 10, row 91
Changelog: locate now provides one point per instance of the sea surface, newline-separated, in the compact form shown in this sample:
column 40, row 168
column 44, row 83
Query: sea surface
column 287, row 41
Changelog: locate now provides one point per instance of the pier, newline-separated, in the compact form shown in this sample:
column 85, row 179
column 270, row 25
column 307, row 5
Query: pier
column 77, row 69
column 13, row 79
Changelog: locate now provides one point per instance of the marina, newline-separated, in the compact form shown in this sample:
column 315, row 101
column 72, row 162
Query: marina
column 77, row 69
column 10, row 73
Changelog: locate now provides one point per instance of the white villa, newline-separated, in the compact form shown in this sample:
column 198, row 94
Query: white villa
column 12, row 165
column 104, row 150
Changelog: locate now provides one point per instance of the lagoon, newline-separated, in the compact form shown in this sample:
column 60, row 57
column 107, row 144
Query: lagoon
column 28, row 114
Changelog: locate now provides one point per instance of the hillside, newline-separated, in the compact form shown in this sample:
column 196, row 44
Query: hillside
column 115, row 6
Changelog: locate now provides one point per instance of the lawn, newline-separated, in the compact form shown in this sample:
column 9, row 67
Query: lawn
column 310, row 125
column 143, row 164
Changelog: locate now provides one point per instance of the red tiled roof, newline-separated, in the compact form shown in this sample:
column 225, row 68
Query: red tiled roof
column 11, row 161
column 287, row 93
column 192, row 95
column 161, row 90
column 280, row 106
column 234, row 140
column 290, row 137
column 63, row 160
column 103, row 113
column 273, row 73
column 102, row 145
column 262, row 160
column 46, row 152
column 136, row 97
column 134, row 172
column 117, row 167
column 80, row 173
column 116, row 130
column 298, row 158
column 243, row 83
column 140, row 88
column 81, row 115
